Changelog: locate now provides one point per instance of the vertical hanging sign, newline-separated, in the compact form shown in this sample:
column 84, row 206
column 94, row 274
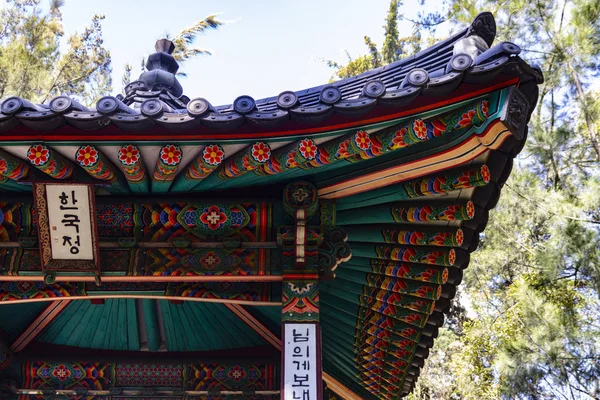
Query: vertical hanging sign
column 67, row 227
column 300, row 362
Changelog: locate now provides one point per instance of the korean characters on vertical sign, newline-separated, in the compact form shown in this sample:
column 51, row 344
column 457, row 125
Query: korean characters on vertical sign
column 70, row 222
column 300, row 362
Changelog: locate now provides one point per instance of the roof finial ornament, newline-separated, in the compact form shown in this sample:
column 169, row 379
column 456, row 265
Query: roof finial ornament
column 165, row 46
column 158, row 82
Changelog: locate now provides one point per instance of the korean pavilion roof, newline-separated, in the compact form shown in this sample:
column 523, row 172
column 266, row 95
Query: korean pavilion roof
column 408, row 159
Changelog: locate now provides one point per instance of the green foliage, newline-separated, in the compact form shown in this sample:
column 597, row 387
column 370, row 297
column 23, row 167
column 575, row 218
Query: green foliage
column 31, row 64
column 394, row 47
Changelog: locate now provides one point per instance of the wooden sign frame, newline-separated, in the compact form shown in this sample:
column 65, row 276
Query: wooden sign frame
column 49, row 264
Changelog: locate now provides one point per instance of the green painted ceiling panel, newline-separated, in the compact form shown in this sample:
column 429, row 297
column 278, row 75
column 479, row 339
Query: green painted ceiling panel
column 269, row 316
column 97, row 326
column 20, row 316
column 197, row 326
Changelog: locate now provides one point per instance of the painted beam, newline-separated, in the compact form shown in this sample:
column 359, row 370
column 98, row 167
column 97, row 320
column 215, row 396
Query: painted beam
column 38, row 325
column 50, row 162
column 132, row 165
column 166, row 168
column 46, row 351
column 119, row 244
column 147, row 278
column 242, row 162
column 200, row 168
column 13, row 168
column 92, row 161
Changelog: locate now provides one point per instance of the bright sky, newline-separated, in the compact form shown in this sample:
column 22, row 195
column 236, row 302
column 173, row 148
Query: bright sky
column 268, row 47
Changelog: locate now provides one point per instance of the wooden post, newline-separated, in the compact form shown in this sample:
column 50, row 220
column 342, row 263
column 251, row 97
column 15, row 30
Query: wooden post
column 301, row 334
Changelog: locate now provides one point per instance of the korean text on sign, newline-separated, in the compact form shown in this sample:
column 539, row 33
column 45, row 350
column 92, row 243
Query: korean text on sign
column 300, row 362
column 70, row 222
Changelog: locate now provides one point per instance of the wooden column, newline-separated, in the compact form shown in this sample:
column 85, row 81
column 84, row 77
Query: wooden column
column 301, row 334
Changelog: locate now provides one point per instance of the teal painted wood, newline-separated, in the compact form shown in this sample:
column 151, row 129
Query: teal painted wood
column 69, row 318
column 169, row 325
column 99, row 326
column 198, row 326
column 133, row 168
column 14, row 318
column 199, row 168
column 85, row 335
column 166, row 167
column 133, row 338
column 92, row 161
column 268, row 316
column 151, row 321
column 8, row 185
column 120, row 337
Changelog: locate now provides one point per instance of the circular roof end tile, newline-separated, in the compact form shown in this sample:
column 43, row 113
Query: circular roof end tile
column 244, row 104
column 152, row 108
column 330, row 95
column 107, row 105
column 12, row 105
column 461, row 62
column 61, row 104
column 417, row 77
column 287, row 100
column 374, row 89
column 198, row 107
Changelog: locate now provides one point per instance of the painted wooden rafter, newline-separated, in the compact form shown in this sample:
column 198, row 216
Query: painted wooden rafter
column 38, row 325
column 274, row 340
column 200, row 168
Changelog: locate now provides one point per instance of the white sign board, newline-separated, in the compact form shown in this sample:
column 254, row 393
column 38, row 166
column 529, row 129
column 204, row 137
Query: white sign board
column 300, row 365
column 70, row 222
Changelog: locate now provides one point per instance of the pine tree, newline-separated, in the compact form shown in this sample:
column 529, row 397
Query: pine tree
column 534, row 312
column 31, row 64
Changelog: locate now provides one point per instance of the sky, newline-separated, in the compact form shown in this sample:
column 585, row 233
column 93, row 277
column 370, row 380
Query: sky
column 266, row 47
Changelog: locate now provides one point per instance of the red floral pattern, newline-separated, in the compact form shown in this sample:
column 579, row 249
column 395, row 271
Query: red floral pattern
column 470, row 209
column 170, row 154
column 61, row 372
column 412, row 318
column 25, row 286
column 237, row 373
column 86, row 156
column 308, row 149
column 445, row 273
column 291, row 160
column 408, row 332
column 342, row 151
column 261, row 152
column 38, row 154
column 398, row 140
column 420, row 129
column 210, row 259
column 362, row 140
column 466, row 119
column 451, row 257
column 485, row 173
column 129, row 155
column 213, row 155
column 427, row 274
column 485, row 108
column 213, row 217
column 459, row 237
column 3, row 166
column 423, row 291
